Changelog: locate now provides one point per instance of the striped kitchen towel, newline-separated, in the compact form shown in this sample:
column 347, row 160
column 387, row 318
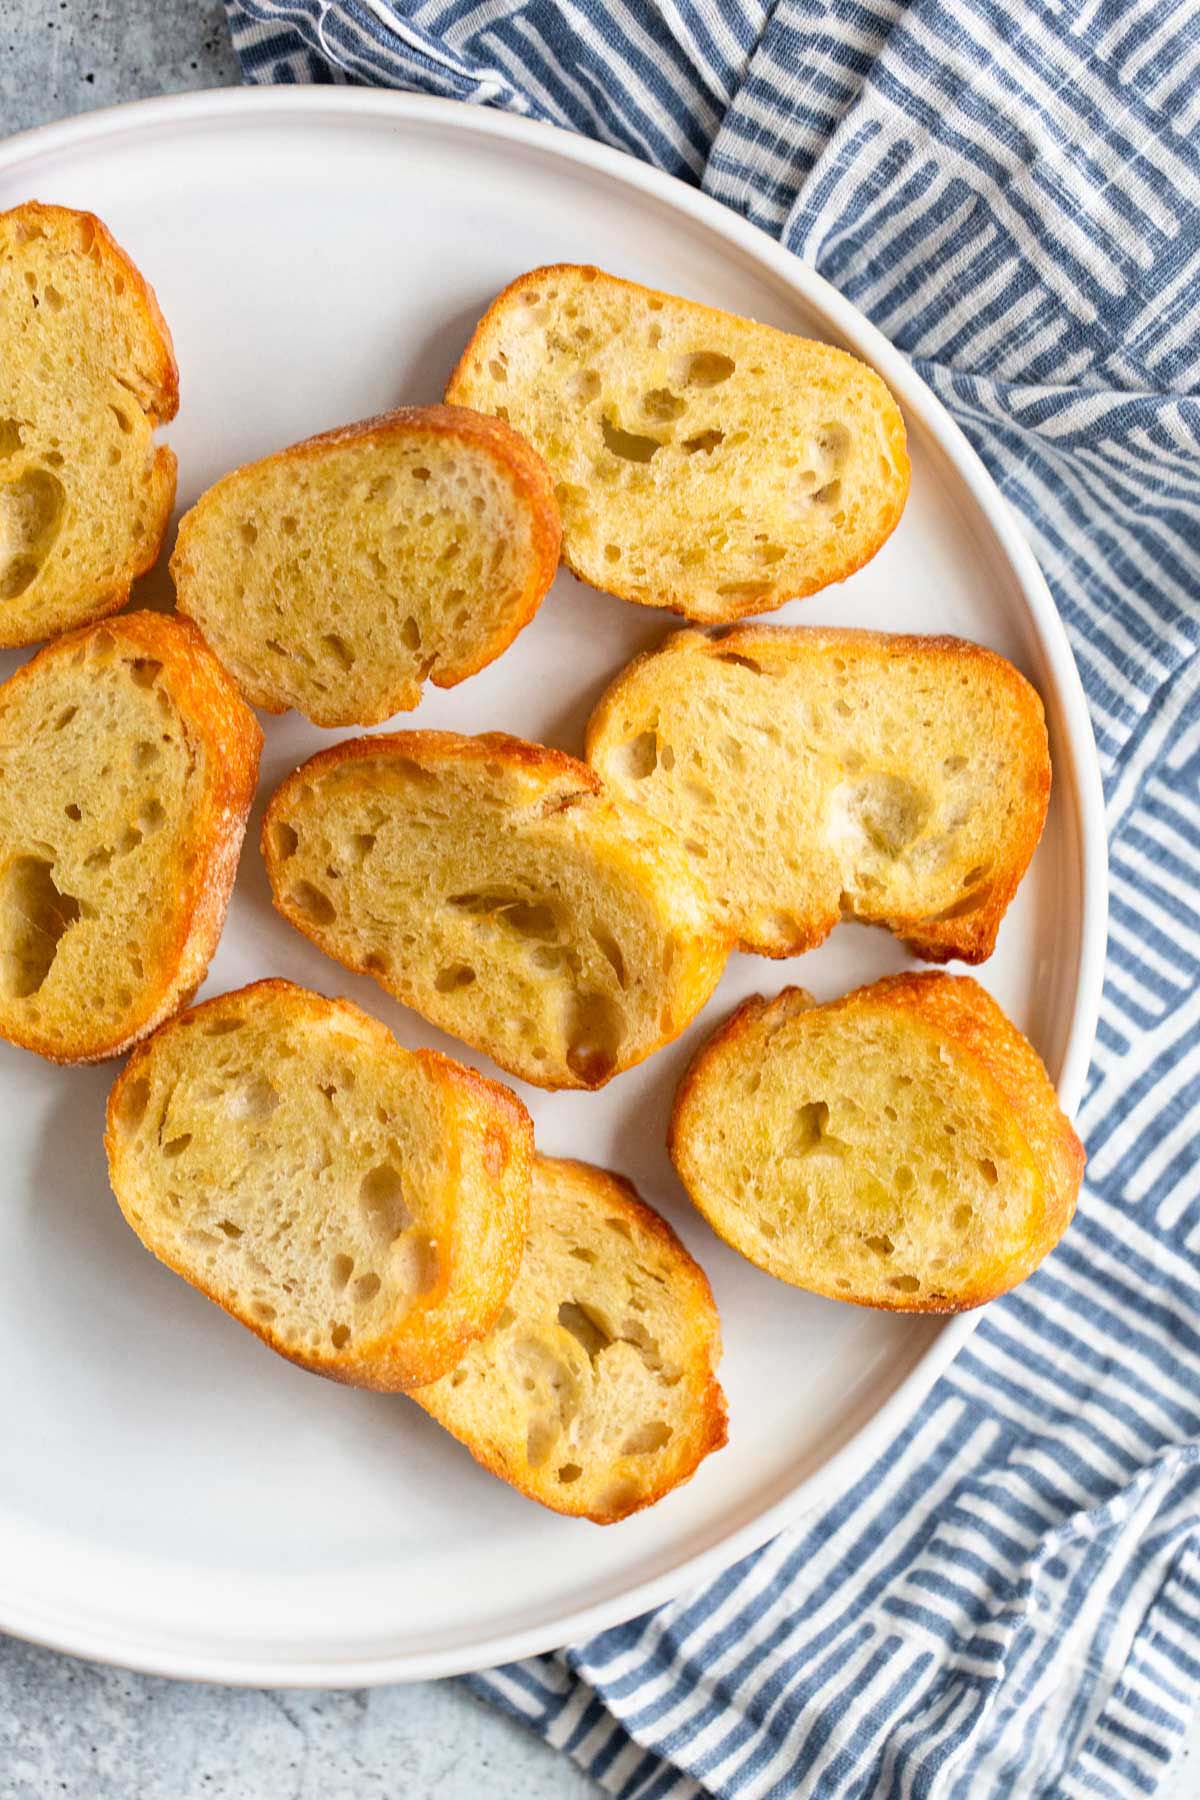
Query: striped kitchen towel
column 1008, row 1603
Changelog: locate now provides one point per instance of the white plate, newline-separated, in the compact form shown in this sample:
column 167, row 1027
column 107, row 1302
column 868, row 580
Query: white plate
column 172, row 1496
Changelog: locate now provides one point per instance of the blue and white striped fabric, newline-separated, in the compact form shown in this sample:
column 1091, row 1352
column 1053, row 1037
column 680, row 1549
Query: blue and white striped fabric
column 1008, row 1603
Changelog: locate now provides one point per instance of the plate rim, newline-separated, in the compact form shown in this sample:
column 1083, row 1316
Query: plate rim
column 112, row 1644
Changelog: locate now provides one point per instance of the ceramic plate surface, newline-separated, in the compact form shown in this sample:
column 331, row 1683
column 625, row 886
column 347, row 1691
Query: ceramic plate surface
column 172, row 1496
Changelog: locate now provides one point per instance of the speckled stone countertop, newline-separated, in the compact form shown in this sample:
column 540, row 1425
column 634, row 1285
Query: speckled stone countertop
column 68, row 1727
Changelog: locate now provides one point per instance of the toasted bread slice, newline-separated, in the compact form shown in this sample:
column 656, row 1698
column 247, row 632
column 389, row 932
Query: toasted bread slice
column 87, row 372
column 337, row 576
column 901, row 1147
column 360, row 1207
column 596, row 1393
column 819, row 775
column 496, row 888
column 127, row 768
column 703, row 462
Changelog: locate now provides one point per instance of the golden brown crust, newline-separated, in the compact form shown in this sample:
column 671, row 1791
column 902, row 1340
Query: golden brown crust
column 506, row 447
column 35, row 217
column 15, row 637
column 527, row 474
column 972, row 937
column 963, row 1013
column 733, row 1029
column 968, row 936
column 381, row 1366
column 967, row 1013
column 439, row 746
column 231, row 739
column 459, row 391
column 706, row 953
column 708, row 1412
column 495, row 1243
column 159, row 395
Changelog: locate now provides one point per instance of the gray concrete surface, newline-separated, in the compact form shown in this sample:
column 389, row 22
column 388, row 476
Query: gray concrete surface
column 68, row 56
column 70, row 1728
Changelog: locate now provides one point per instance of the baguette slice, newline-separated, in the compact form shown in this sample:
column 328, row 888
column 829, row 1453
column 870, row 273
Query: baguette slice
column 704, row 463
column 820, row 775
column 127, row 768
column 495, row 887
column 901, row 1147
column 336, row 576
column 596, row 1393
column 87, row 372
column 360, row 1207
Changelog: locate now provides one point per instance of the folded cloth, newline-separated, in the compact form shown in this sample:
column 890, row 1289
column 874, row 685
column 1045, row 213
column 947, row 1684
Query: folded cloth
column 1008, row 1602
